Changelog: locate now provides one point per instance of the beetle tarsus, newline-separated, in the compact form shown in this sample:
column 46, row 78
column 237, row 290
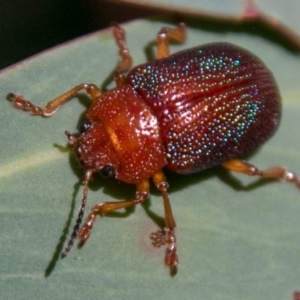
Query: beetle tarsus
column 19, row 102
column 161, row 238
column 158, row 238
column 291, row 177
column 85, row 231
column 171, row 258
column 277, row 172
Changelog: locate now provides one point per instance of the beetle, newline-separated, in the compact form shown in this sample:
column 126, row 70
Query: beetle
column 189, row 111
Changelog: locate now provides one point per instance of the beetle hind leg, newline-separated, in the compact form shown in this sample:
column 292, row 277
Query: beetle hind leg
column 240, row 166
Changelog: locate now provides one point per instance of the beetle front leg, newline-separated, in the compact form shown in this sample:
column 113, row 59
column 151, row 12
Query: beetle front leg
column 52, row 106
column 166, row 35
column 240, row 166
column 167, row 235
column 106, row 207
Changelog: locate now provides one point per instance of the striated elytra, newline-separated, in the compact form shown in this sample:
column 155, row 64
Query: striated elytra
column 213, row 103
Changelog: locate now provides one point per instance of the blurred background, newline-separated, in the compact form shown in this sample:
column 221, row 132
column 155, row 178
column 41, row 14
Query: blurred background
column 26, row 29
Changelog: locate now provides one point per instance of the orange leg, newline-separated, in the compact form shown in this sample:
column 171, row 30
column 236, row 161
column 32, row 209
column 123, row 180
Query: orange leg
column 126, row 60
column 240, row 166
column 167, row 235
column 52, row 106
column 166, row 35
column 106, row 207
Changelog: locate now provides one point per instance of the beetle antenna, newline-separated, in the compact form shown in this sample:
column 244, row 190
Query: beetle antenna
column 68, row 247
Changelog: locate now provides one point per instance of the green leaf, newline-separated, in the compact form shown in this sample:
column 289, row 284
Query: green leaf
column 233, row 242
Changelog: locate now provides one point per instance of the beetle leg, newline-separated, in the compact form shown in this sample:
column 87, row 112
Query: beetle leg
column 167, row 236
column 240, row 166
column 165, row 35
column 106, row 207
column 52, row 106
column 126, row 59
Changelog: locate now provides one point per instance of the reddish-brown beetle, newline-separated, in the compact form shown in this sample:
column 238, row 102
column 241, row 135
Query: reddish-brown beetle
column 189, row 111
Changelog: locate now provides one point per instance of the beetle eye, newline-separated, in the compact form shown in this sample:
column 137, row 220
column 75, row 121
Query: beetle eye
column 107, row 171
column 84, row 127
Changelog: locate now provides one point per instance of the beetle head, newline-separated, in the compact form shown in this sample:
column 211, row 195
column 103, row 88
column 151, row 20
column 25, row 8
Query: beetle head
column 94, row 150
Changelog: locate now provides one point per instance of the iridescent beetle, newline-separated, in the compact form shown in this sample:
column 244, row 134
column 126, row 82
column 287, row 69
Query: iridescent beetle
column 189, row 111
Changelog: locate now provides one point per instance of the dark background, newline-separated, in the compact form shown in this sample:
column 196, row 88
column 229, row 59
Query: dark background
column 28, row 27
